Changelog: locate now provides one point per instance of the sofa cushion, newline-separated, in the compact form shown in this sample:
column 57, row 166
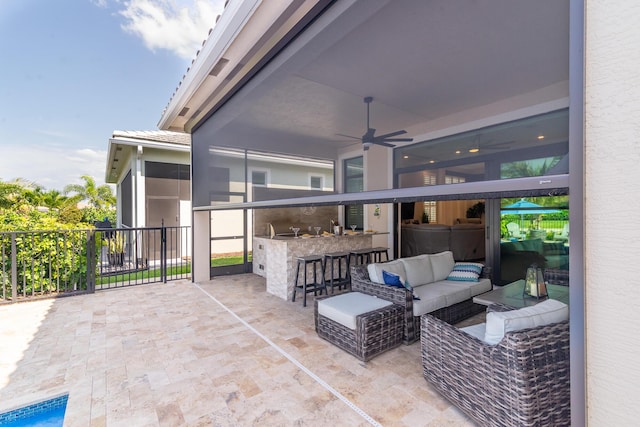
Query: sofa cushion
column 441, row 263
column 375, row 270
column 346, row 307
column 418, row 269
column 465, row 272
column 431, row 298
column 476, row 288
column 544, row 313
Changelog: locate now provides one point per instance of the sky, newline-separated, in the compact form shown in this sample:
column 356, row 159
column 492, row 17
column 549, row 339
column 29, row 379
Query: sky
column 73, row 71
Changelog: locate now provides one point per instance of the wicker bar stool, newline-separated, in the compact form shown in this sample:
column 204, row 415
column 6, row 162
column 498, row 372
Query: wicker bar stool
column 338, row 280
column 316, row 262
column 376, row 254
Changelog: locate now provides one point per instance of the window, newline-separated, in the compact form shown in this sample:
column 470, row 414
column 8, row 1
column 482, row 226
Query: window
column 532, row 146
column 259, row 178
column 354, row 183
column 315, row 182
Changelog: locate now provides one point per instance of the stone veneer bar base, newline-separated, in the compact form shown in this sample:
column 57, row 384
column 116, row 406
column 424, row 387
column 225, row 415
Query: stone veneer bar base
column 275, row 259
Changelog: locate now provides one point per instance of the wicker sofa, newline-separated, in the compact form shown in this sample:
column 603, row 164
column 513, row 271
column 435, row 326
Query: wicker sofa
column 451, row 301
column 523, row 380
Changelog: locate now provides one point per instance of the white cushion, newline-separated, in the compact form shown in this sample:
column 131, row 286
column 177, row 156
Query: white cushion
column 544, row 313
column 375, row 270
column 346, row 307
column 441, row 263
column 476, row 288
column 418, row 269
column 477, row 331
column 432, row 297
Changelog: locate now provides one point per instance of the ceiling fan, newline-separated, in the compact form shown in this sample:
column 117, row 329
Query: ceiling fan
column 369, row 138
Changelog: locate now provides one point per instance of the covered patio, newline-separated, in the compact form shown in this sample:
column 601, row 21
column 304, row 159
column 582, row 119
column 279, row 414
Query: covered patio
column 223, row 352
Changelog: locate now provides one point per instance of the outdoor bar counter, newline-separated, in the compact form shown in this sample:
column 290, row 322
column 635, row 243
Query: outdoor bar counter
column 275, row 259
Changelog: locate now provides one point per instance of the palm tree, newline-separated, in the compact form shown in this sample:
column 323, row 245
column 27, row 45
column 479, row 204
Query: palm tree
column 526, row 168
column 97, row 196
column 53, row 199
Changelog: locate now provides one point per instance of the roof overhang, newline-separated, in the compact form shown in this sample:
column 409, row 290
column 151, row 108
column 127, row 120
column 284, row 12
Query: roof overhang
column 241, row 42
column 120, row 148
column 430, row 67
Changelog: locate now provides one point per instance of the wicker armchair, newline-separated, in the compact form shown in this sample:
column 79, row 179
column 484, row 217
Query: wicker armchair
column 521, row 381
column 360, row 282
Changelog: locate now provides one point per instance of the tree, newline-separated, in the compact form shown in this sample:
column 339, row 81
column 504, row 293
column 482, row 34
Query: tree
column 9, row 194
column 53, row 199
column 97, row 196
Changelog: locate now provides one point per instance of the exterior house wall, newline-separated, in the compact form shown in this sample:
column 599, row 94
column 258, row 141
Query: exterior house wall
column 134, row 159
column 612, row 202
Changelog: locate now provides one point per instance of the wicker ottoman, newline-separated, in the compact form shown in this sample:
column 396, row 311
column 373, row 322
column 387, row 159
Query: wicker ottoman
column 360, row 324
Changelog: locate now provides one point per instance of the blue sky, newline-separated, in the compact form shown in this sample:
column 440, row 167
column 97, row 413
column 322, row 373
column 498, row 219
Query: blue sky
column 73, row 71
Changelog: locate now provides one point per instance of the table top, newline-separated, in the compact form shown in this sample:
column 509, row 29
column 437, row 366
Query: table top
column 512, row 295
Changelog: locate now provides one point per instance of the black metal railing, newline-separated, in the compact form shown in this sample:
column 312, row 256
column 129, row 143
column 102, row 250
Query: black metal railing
column 132, row 256
column 68, row 262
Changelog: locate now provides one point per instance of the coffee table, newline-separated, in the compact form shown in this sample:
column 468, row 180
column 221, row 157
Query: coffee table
column 511, row 295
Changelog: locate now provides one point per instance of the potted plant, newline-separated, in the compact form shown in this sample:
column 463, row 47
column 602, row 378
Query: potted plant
column 476, row 211
column 115, row 248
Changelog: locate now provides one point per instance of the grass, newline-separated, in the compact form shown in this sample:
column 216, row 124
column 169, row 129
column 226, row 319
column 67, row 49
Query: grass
column 171, row 271
column 146, row 274
column 229, row 260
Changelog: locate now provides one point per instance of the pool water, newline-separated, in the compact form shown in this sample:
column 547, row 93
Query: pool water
column 49, row 413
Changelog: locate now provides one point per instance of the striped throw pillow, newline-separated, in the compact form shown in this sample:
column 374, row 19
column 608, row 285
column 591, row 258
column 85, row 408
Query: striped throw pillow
column 466, row 272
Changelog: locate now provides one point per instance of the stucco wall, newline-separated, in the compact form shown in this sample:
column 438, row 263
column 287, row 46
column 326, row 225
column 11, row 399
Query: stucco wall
column 612, row 205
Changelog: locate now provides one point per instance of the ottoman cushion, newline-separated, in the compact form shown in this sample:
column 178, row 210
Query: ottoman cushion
column 346, row 307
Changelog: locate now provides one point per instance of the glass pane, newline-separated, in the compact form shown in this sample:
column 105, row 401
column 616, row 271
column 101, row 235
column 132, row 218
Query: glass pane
column 258, row 178
column 290, row 177
column 534, row 231
column 532, row 146
column 227, row 252
column 532, row 167
column 354, row 183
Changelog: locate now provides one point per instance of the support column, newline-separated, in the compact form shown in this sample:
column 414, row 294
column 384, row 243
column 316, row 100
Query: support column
column 200, row 263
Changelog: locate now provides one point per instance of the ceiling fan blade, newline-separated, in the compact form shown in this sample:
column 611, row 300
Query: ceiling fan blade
column 398, row 139
column 382, row 143
column 388, row 135
column 348, row 136
column 369, row 134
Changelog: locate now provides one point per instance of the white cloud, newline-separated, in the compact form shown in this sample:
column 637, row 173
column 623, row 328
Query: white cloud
column 100, row 3
column 53, row 167
column 164, row 24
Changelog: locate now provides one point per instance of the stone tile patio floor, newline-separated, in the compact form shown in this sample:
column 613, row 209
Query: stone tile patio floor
column 219, row 353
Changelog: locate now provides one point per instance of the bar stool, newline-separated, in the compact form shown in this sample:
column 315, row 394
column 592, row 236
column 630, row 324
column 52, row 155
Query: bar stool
column 338, row 280
column 376, row 254
column 360, row 256
column 307, row 286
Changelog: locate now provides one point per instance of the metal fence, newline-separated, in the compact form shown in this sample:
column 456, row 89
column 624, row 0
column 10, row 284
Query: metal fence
column 68, row 262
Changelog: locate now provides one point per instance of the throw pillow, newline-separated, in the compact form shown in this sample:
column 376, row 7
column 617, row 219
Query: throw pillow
column 392, row 279
column 465, row 272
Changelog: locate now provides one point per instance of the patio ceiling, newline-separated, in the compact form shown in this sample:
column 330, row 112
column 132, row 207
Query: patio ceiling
column 423, row 63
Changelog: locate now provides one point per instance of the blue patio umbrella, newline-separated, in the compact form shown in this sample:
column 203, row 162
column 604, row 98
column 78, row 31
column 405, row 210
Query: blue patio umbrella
column 524, row 207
